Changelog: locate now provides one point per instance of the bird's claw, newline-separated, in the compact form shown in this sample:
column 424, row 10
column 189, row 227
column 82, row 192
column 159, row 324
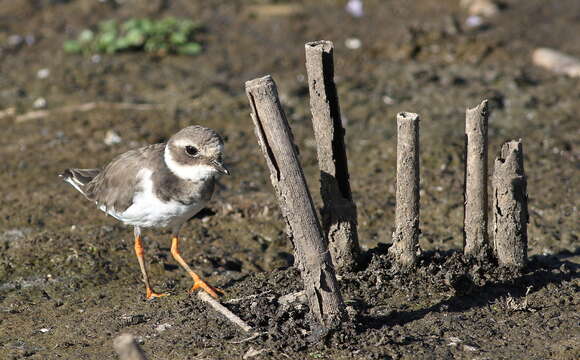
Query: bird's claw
column 152, row 294
column 213, row 291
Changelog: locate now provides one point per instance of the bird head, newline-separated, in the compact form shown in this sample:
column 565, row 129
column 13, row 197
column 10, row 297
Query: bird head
column 195, row 153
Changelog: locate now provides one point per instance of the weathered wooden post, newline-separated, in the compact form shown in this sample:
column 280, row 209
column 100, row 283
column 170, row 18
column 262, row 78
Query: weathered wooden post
column 510, row 202
column 475, row 237
column 311, row 252
column 339, row 211
column 406, row 235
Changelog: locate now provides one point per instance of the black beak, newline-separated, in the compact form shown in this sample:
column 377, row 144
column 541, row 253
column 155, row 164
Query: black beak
column 220, row 168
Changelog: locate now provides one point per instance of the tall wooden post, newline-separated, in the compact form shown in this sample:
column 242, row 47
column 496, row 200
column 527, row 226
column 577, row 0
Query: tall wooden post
column 475, row 238
column 406, row 235
column 311, row 252
column 339, row 211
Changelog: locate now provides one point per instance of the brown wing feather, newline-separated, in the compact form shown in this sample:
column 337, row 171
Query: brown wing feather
column 115, row 186
column 79, row 177
column 83, row 176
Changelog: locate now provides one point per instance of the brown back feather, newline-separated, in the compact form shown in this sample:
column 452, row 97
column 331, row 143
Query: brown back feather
column 115, row 186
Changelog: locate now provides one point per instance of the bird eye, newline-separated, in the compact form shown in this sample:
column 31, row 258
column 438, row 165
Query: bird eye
column 191, row 150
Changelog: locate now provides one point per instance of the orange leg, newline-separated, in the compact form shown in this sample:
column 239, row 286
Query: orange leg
column 198, row 283
column 150, row 294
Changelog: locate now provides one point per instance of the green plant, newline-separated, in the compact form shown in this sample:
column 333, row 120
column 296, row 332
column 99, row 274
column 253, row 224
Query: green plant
column 165, row 36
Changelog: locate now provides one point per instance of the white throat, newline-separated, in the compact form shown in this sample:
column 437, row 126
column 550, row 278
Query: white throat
column 188, row 172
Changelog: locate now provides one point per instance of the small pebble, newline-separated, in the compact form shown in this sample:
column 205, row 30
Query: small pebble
column 487, row 8
column 469, row 348
column 15, row 40
column 163, row 327
column 353, row 43
column 252, row 353
column 474, row 21
column 39, row 103
column 29, row 39
column 43, row 73
column 453, row 341
column 388, row 100
column 112, row 138
column 355, row 8
column 44, row 330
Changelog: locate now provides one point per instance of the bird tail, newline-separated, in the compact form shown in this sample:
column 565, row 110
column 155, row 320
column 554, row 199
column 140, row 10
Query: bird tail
column 78, row 178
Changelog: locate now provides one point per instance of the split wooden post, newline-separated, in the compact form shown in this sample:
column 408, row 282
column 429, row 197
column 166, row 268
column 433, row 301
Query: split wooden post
column 406, row 235
column 510, row 202
column 475, row 237
column 311, row 252
column 339, row 211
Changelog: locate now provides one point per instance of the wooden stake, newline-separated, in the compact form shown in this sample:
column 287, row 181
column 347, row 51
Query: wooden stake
column 510, row 202
column 406, row 236
column 311, row 252
column 339, row 211
column 475, row 238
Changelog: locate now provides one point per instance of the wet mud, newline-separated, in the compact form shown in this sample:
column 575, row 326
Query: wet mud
column 69, row 281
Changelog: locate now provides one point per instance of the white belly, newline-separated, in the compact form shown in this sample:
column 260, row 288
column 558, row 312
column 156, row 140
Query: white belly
column 149, row 211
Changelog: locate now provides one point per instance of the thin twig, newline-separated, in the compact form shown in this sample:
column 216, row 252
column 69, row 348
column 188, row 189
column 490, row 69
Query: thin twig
column 224, row 311
column 255, row 335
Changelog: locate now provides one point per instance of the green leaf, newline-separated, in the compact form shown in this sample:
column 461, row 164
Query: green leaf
column 187, row 26
column 131, row 24
column 108, row 26
column 122, row 44
column 189, row 49
column 72, row 46
column 151, row 45
column 135, row 37
column 105, row 40
column 164, row 36
column 178, row 38
column 146, row 26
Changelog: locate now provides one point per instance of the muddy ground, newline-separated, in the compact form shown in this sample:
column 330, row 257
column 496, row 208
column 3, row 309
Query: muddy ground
column 69, row 282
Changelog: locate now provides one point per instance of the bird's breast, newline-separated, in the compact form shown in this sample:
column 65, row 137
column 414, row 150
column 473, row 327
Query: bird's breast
column 149, row 209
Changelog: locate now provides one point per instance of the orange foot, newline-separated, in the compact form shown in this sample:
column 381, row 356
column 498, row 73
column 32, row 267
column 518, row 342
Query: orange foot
column 152, row 294
column 213, row 291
